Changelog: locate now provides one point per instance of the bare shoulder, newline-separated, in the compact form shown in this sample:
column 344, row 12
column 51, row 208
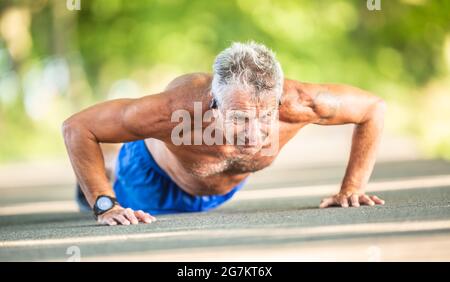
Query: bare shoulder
column 153, row 113
column 183, row 91
column 297, row 102
column 307, row 102
column 190, row 79
column 326, row 104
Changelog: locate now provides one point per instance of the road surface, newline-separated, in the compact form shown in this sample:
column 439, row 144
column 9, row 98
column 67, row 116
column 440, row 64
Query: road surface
column 274, row 218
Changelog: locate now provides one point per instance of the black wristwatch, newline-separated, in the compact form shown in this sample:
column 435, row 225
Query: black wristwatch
column 103, row 204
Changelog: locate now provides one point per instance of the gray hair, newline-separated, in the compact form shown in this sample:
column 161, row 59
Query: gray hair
column 247, row 66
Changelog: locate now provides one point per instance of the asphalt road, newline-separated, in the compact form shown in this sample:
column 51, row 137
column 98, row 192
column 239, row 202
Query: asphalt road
column 275, row 218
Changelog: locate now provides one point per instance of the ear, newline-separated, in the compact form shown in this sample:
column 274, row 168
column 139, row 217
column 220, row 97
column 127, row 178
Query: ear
column 213, row 104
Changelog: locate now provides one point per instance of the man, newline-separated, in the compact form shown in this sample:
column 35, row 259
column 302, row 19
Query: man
column 253, row 110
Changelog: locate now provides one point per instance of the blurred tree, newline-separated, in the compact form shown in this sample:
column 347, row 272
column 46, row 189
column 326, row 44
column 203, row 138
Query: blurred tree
column 137, row 46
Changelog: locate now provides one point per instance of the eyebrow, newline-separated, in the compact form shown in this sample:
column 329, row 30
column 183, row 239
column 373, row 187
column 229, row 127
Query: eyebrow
column 240, row 113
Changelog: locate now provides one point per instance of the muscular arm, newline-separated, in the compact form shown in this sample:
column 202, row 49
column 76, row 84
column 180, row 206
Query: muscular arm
column 110, row 122
column 339, row 104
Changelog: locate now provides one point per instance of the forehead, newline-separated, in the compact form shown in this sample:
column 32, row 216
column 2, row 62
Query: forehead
column 241, row 99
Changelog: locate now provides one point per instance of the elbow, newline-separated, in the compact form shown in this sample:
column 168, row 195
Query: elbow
column 380, row 109
column 71, row 130
column 377, row 113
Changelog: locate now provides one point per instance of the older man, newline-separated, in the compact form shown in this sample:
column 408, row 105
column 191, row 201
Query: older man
column 249, row 110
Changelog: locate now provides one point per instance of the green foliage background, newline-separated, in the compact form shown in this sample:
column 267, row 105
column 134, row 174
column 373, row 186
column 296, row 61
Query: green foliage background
column 401, row 53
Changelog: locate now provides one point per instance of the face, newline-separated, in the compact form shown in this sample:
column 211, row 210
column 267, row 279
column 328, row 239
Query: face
column 248, row 121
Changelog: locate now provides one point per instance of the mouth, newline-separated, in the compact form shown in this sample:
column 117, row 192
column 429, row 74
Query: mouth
column 247, row 146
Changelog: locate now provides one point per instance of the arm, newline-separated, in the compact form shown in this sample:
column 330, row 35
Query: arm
column 339, row 104
column 110, row 122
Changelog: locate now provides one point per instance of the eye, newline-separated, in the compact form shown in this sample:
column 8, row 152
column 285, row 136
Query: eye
column 238, row 119
column 267, row 116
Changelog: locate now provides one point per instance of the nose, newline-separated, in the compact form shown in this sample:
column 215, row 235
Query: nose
column 253, row 133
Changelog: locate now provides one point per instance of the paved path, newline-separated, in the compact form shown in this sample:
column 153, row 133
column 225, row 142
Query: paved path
column 274, row 218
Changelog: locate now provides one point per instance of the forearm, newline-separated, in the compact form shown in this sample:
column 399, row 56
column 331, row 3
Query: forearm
column 365, row 143
column 87, row 161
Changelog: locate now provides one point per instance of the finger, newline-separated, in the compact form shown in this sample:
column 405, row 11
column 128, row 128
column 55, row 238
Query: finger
column 121, row 219
column 129, row 214
column 103, row 221
column 377, row 200
column 355, row 200
column 140, row 216
column 110, row 222
column 149, row 216
column 152, row 218
column 343, row 202
column 366, row 200
column 327, row 202
column 143, row 217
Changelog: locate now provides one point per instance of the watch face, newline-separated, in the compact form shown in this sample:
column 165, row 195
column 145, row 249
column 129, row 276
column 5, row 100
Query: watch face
column 104, row 203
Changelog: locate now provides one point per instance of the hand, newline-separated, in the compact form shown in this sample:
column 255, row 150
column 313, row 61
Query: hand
column 120, row 215
column 345, row 198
